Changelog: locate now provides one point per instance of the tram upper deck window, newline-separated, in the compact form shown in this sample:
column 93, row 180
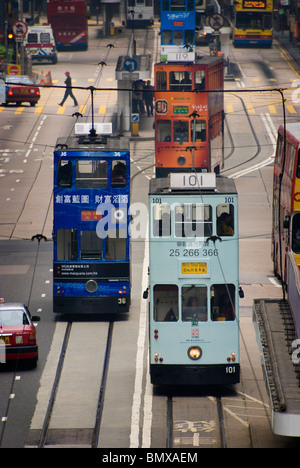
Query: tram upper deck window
column 91, row 174
column 161, row 80
column 165, row 303
column 194, row 303
column 64, row 173
column 222, row 302
column 91, row 246
column 163, row 131
column 118, row 174
column 225, row 220
column 181, row 130
column 161, row 220
column 193, row 220
column 180, row 80
column 178, row 5
column 200, row 80
column 67, row 244
column 296, row 233
column 165, row 5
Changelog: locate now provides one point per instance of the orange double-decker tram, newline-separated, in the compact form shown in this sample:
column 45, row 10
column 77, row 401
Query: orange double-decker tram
column 189, row 116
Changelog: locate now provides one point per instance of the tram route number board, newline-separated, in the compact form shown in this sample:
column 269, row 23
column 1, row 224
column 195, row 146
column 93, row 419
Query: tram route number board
column 190, row 181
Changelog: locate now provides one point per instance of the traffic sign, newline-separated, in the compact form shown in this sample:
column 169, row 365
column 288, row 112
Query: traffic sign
column 130, row 64
column 13, row 69
column 19, row 28
column 216, row 21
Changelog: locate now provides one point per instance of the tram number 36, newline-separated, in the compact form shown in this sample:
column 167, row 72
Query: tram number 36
column 230, row 370
column 121, row 300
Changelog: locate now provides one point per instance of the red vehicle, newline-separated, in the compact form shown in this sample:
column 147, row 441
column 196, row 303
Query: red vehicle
column 286, row 200
column 21, row 88
column 17, row 333
column 68, row 19
column 189, row 116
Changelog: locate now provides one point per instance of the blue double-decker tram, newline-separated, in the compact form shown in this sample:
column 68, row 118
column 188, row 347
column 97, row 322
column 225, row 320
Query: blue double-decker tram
column 194, row 280
column 91, row 272
column 178, row 30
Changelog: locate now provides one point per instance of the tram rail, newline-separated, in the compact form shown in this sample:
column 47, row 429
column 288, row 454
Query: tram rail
column 52, row 434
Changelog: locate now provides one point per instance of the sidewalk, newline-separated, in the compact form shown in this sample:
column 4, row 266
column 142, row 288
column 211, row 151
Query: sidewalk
column 290, row 46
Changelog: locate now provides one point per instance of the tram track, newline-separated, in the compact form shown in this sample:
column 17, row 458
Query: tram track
column 52, row 432
column 207, row 431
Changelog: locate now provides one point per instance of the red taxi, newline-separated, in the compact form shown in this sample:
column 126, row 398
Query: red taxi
column 21, row 88
column 17, row 333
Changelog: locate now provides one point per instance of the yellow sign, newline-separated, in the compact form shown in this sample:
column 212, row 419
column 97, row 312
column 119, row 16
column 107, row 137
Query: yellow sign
column 13, row 69
column 194, row 268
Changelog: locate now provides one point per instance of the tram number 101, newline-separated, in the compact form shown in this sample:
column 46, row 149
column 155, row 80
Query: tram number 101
column 230, row 370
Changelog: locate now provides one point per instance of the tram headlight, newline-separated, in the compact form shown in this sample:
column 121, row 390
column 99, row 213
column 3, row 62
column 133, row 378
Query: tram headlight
column 194, row 353
column 181, row 161
column 91, row 286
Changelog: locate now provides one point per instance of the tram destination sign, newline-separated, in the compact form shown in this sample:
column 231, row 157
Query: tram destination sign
column 192, row 181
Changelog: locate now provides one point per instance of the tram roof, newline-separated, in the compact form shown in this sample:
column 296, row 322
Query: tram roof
column 161, row 186
column 199, row 60
column 98, row 143
column 294, row 129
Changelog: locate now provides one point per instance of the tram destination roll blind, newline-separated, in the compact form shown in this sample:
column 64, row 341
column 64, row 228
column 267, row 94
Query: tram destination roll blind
column 189, row 181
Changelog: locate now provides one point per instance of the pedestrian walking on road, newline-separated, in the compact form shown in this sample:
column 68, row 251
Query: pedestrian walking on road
column 68, row 92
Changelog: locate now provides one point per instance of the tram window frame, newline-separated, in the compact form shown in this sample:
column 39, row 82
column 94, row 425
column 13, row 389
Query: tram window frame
column 298, row 162
column 194, row 308
column 180, row 80
column 165, row 5
column 189, row 36
column 66, row 244
column 161, row 220
column 178, row 37
column 296, row 233
column 185, row 225
column 178, row 5
column 166, row 36
column 279, row 150
column 116, row 244
column 181, row 131
column 200, row 132
column 200, row 78
column 118, row 173
column 168, row 310
column 161, row 80
column 217, row 292
column 164, row 131
column 93, row 176
column 64, row 176
column 225, row 226
column 91, row 245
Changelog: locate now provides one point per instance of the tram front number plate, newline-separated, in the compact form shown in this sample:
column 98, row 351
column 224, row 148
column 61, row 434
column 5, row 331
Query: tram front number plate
column 194, row 268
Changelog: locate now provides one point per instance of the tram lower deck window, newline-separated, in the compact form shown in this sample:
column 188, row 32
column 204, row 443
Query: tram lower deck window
column 91, row 246
column 67, row 244
column 222, row 301
column 165, row 302
column 194, row 303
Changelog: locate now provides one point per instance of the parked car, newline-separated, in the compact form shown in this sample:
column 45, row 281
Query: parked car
column 21, row 88
column 17, row 333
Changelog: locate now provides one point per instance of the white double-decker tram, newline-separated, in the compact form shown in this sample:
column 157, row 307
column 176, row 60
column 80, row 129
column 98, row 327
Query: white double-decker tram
column 194, row 280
